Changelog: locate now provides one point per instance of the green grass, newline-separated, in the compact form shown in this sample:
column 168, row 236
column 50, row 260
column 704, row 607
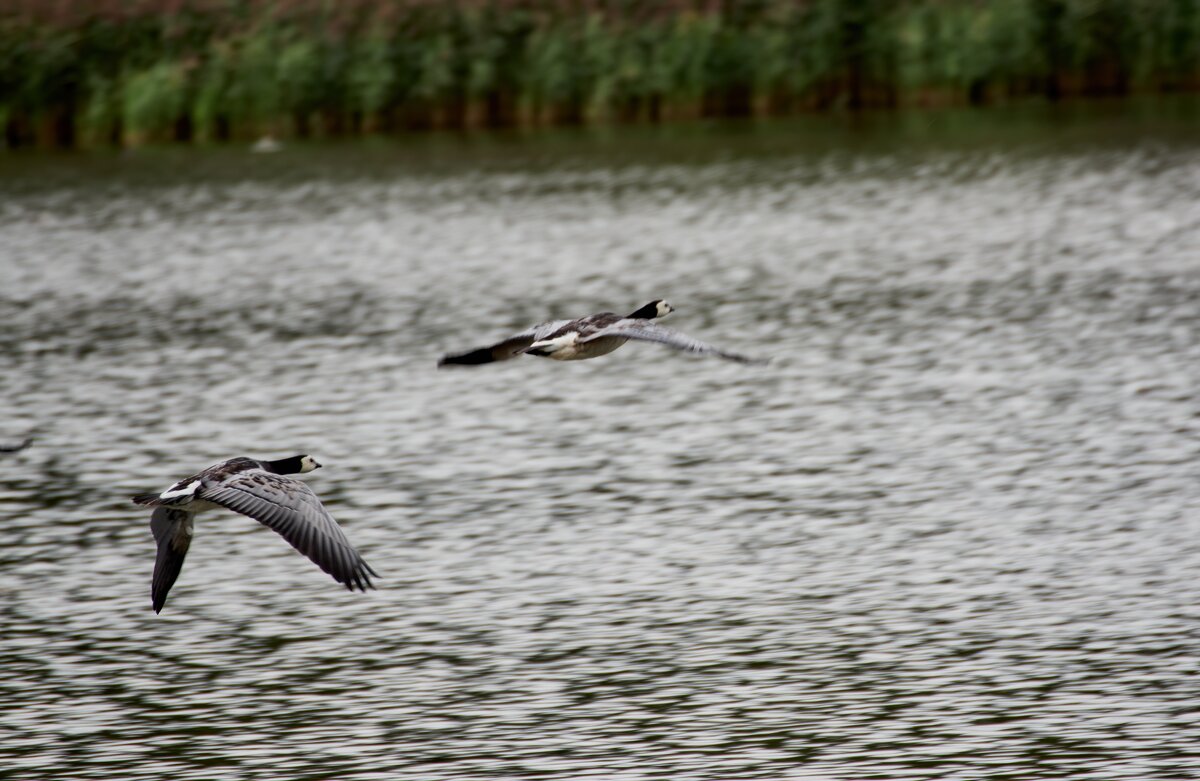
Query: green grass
column 160, row 70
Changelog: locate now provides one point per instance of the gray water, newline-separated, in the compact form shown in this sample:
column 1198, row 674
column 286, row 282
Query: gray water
column 950, row 532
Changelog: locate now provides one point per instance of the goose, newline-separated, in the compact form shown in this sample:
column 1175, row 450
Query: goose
column 590, row 337
column 259, row 490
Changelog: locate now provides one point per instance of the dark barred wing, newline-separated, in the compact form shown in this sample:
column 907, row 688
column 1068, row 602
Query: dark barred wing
column 643, row 331
column 172, row 531
column 290, row 508
column 503, row 350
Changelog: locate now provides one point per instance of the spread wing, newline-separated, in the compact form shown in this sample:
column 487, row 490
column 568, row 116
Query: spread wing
column 290, row 508
column 645, row 331
column 172, row 531
column 505, row 349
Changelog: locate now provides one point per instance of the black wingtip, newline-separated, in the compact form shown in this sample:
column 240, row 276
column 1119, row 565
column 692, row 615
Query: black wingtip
column 361, row 579
column 145, row 499
column 473, row 358
column 158, row 597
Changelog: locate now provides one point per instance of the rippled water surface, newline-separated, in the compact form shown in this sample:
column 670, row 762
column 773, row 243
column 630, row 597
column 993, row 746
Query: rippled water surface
column 953, row 531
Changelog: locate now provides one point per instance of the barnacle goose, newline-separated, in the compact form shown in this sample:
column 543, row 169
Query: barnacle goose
column 590, row 337
column 257, row 489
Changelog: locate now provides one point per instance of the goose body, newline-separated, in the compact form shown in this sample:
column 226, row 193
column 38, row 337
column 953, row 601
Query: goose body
column 590, row 337
column 259, row 490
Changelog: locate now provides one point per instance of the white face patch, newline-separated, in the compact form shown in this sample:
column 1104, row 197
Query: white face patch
column 664, row 308
column 179, row 489
column 307, row 464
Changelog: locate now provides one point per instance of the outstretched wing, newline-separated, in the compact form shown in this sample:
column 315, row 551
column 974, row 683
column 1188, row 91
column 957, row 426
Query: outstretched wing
column 505, row 349
column 645, row 331
column 172, row 531
column 290, row 508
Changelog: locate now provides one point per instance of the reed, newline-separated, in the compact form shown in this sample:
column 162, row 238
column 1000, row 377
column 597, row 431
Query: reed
column 133, row 71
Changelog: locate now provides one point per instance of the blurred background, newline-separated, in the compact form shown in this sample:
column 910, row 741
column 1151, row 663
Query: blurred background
column 94, row 72
column 950, row 532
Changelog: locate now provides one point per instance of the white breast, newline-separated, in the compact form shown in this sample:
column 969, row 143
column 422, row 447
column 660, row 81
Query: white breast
column 561, row 349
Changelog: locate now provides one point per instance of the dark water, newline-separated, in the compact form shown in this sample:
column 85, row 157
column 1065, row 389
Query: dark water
column 952, row 532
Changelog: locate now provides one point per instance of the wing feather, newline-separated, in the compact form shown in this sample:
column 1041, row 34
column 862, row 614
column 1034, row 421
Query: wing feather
column 172, row 531
column 644, row 331
column 291, row 509
column 511, row 347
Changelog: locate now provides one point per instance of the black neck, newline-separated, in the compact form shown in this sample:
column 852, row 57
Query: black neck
column 648, row 312
column 284, row 466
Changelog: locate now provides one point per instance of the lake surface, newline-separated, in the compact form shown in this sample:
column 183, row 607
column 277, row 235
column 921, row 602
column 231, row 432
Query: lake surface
column 952, row 531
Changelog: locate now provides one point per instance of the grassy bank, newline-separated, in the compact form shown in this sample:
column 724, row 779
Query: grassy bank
column 87, row 72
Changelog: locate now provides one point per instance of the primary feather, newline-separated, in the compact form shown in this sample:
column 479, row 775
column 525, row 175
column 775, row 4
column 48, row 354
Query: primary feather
column 646, row 331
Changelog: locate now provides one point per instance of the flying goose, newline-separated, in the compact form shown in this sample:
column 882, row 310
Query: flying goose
column 256, row 489
column 590, row 337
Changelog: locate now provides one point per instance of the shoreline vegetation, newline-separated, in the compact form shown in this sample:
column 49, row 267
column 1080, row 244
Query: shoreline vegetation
column 83, row 73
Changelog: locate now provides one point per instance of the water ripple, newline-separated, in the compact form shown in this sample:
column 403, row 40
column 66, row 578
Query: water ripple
column 951, row 532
